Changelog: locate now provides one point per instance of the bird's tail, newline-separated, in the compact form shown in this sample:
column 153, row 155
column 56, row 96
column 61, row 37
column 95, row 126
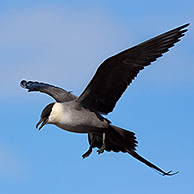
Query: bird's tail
column 117, row 139
column 121, row 139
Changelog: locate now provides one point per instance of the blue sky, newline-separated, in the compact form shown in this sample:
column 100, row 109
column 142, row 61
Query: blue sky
column 62, row 43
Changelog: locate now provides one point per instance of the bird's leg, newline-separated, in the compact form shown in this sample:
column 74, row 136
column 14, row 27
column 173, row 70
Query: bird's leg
column 87, row 153
column 101, row 150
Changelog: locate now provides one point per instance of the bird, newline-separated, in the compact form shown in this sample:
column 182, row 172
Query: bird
column 85, row 113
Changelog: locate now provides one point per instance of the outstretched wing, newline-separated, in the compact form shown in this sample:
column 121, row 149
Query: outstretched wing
column 59, row 94
column 117, row 72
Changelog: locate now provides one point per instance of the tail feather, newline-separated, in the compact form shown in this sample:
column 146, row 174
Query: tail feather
column 151, row 165
column 117, row 139
column 123, row 137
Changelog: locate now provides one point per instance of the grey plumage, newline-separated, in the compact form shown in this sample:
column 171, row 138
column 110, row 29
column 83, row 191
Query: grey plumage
column 59, row 94
column 83, row 114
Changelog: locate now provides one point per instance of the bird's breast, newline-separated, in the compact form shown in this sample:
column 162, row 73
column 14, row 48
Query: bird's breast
column 80, row 120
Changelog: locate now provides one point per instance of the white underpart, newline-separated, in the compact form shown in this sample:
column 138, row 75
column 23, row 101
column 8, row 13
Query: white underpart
column 71, row 118
column 58, row 114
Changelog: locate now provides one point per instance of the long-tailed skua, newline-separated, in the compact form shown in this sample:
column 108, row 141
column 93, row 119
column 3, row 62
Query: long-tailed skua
column 84, row 114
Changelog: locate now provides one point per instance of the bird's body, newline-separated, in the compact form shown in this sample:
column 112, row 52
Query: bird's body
column 83, row 114
column 72, row 117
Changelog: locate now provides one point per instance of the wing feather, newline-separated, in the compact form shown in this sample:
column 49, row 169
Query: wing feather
column 117, row 72
column 59, row 94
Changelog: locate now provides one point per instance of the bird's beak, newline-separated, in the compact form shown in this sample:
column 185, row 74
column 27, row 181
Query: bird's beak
column 43, row 121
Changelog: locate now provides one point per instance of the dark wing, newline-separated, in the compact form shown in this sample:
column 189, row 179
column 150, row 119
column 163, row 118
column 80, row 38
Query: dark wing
column 59, row 94
column 117, row 72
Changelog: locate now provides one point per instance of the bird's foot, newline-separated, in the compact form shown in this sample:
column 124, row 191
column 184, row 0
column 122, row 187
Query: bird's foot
column 86, row 154
column 101, row 150
column 169, row 173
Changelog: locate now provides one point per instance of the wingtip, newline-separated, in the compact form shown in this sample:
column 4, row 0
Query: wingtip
column 23, row 84
column 181, row 28
column 184, row 26
column 187, row 24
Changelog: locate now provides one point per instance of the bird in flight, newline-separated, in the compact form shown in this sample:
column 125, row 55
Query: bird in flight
column 84, row 114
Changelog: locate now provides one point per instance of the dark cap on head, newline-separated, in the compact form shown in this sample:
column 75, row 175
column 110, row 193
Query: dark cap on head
column 44, row 115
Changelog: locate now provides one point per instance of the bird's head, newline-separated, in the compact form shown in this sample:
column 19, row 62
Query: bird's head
column 45, row 116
